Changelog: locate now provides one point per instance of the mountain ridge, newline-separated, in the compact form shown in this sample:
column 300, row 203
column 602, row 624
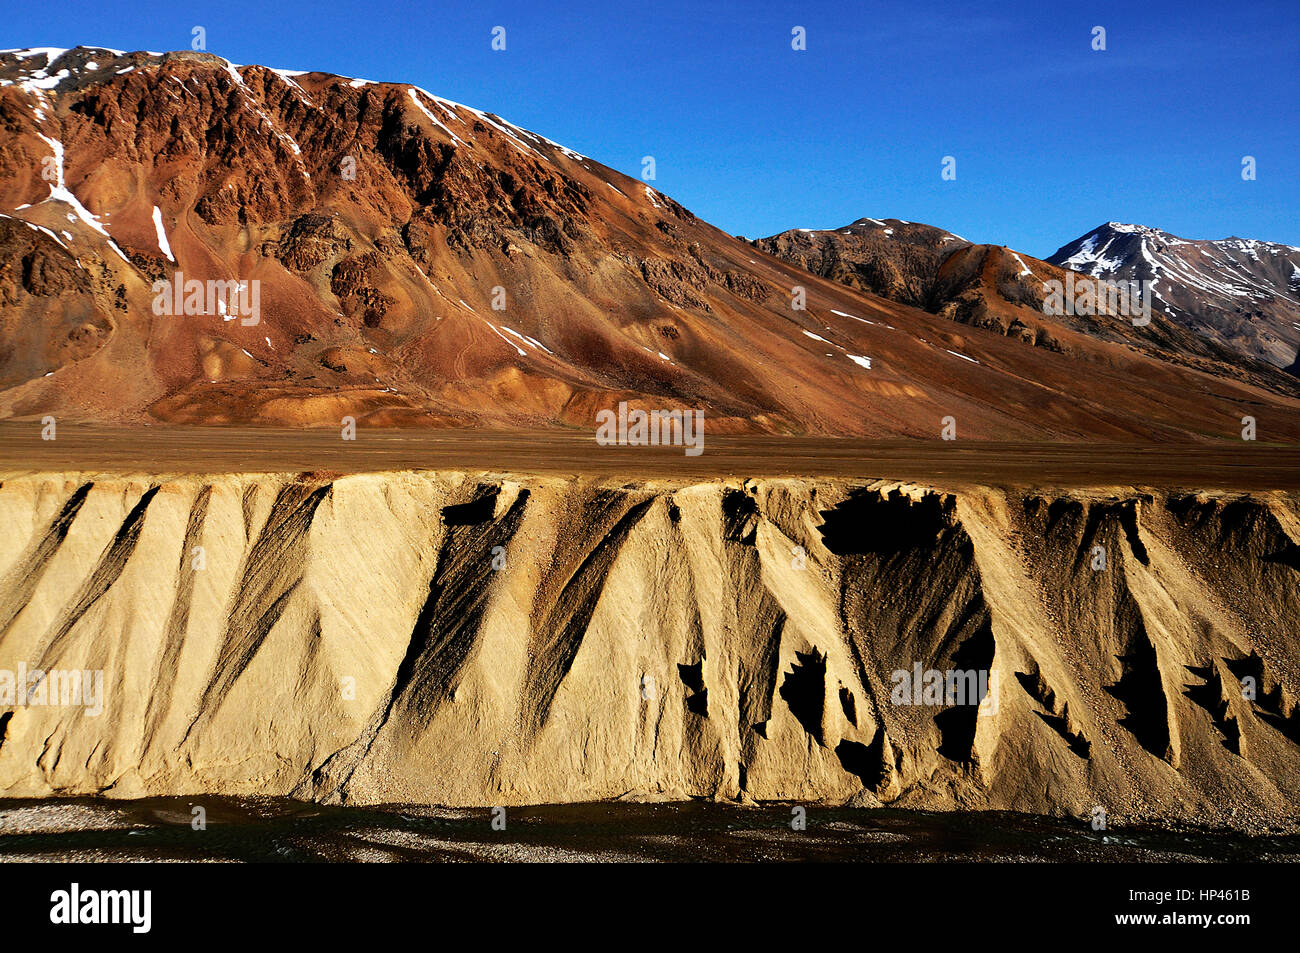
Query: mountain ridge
column 998, row 288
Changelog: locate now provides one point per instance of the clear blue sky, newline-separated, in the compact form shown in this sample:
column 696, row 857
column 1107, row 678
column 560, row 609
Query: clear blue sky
column 1051, row 138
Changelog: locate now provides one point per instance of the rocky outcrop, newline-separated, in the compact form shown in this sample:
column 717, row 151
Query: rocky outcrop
column 895, row 259
column 50, row 315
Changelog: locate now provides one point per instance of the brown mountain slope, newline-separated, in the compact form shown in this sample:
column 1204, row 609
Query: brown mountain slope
column 383, row 223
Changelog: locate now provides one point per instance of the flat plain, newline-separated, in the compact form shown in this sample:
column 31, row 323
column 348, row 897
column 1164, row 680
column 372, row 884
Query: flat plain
column 1241, row 465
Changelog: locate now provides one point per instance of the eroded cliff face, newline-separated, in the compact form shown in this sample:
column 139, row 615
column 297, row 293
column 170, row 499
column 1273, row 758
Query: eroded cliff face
column 478, row 639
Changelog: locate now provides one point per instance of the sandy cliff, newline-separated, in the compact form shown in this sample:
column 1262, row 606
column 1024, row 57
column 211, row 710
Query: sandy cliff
column 348, row 638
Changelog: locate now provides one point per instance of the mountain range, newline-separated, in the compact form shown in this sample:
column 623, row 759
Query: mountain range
column 1241, row 292
column 422, row 262
column 1242, row 303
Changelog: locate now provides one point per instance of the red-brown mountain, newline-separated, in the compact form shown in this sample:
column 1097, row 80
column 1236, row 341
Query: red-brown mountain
column 382, row 224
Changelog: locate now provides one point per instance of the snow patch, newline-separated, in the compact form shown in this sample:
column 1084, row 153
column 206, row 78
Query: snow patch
column 522, row 352
column 163, row 245
column 433, row 119
column 52, row 53
column 530, row 341
column 61, row 193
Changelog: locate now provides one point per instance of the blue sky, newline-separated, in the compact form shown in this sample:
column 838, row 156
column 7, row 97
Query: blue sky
column 1050, row 137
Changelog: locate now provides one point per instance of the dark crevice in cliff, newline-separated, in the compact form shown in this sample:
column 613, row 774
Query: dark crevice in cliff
column 271, row 574
column 971, row 664
column 1140, row 687
column 28, row 568
column 556, row 638
column 692, row 677
column 804, row 690
column 106, row 572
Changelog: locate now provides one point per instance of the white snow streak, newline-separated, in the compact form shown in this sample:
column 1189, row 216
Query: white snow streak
column 163, row 245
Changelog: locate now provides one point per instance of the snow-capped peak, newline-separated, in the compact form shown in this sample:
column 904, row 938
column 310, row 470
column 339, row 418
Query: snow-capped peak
column 1242, row 289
